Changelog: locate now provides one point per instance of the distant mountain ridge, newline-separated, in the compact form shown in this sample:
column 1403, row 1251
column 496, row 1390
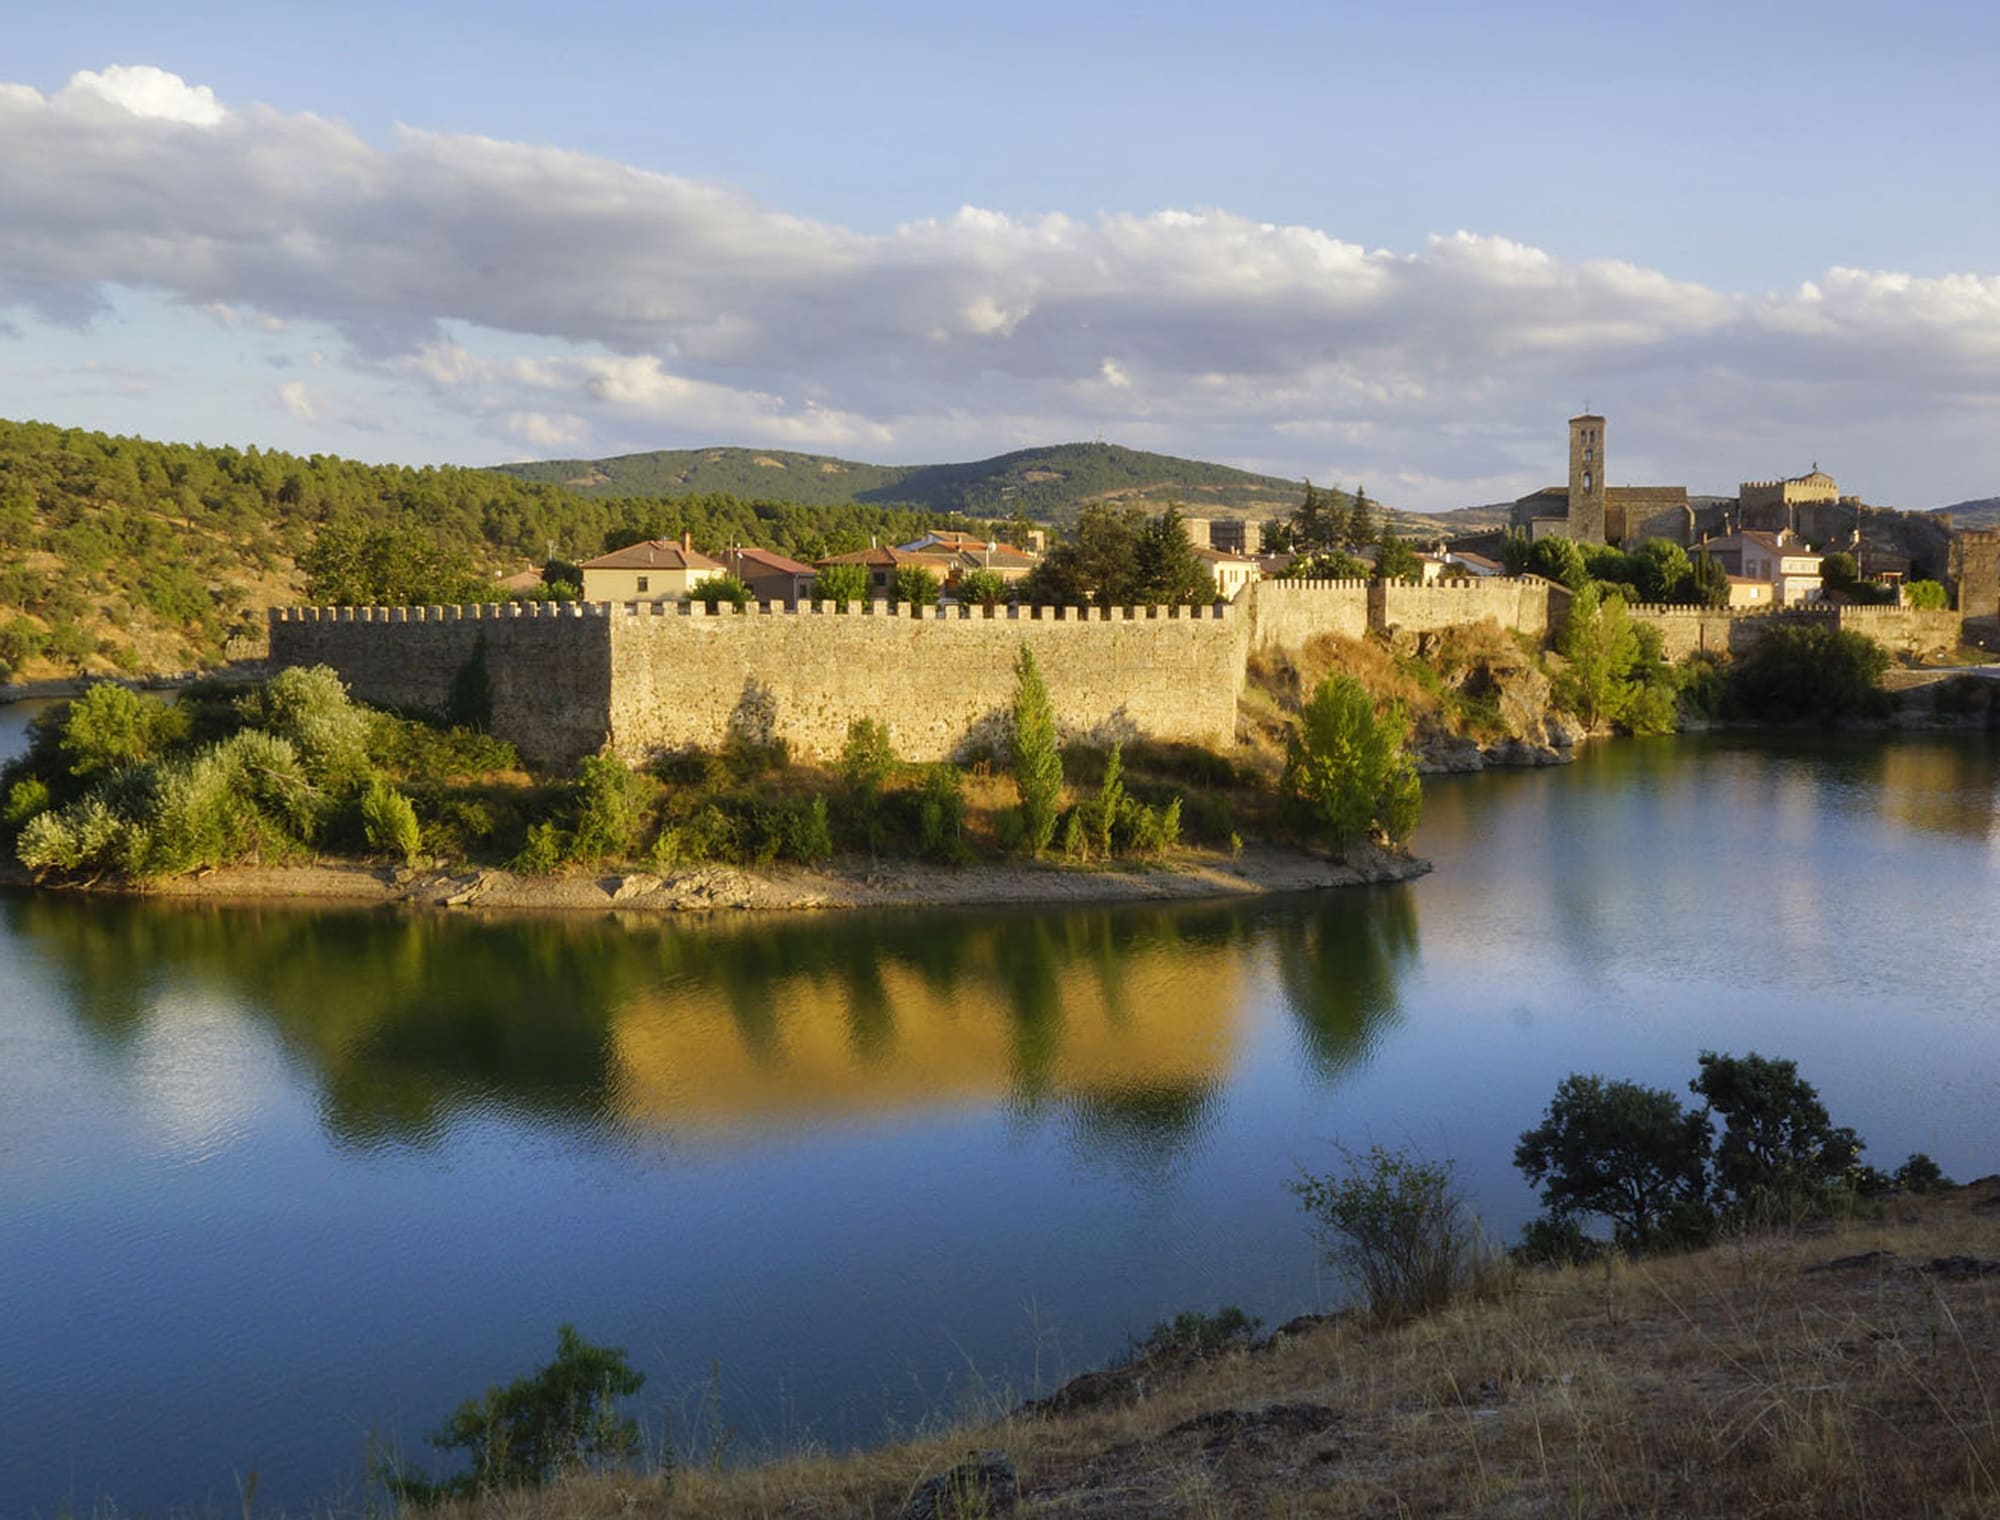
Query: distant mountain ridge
column 1981, row 512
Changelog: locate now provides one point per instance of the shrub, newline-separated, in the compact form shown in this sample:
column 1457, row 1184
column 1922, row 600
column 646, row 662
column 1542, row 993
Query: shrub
column 1345, row 768
column 914, row 586
column 1192, row 1333
column 720, row 590
column 1616, row 1149
column 609, row 801
column 941, row 815
column 982, row 588
column 543, row 851
column 1551, row 1242
column 112, row 728
column 840, row 585
column 1110, row 797
column 308, row 706
column 1779, row 1154
column 25, row 798
column 418, row 749
column 561, row 1419
column 807, row 833
column 1397, row 1226
column 1815, row 671
column 1926, row 595
column 1920, row 1174
column 1037, row 761
column 390, row 822
column 868, row 759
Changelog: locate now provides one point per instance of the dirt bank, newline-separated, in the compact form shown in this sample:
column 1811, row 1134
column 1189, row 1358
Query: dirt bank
column 847, row 884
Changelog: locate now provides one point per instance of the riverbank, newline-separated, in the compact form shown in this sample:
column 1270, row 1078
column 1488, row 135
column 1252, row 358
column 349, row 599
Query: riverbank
column 844, row 884
column 1837, row 1370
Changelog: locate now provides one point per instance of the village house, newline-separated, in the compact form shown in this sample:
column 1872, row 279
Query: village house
column 1465, row 564
column 770, row 576
column 1230, row 572
column 1777, row 559
column 653, row 570
column 882, row 565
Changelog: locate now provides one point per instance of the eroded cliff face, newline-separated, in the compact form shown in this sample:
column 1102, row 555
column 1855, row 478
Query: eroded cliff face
column 1476, row 696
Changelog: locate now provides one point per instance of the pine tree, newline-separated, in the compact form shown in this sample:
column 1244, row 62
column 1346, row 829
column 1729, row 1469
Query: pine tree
column 1361, row 522
column 1037, row 757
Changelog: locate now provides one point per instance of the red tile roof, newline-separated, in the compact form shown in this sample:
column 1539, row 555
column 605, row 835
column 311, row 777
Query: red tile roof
column 652, row 554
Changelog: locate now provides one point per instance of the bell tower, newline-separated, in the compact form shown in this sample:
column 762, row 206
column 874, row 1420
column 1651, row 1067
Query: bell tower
column 1586, row 479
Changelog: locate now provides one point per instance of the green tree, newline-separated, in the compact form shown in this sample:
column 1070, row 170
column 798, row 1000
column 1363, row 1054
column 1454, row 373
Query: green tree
column 982, row 588
column 840, row 585
column 1708, row 582
column 1096, row 564
column 1839, row 572
column 720, row 590
column 389, row 822
column 1661, row 570
column 1927, row 595
column 1346, row 770
column 1598, row 643
column 1395, row 560
column 1632, row 1154
column 1037, row 759
column 1779, row 1152
column 914, row 586
column 1559, row 560
column 1361, row 525
column 308, row 707
column 1815, row 671
column 113, row 728
column 610, row 804
column 1516, row 553
column 1397, row 1225
column 561, row 1419
column 1166, row 569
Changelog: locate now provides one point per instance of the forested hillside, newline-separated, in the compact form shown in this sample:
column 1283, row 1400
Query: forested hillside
column 1045, row 483
column 1983, row 512
column 124, row 555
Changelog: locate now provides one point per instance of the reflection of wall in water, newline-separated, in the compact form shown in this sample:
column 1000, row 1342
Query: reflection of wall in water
column 1160, row 1019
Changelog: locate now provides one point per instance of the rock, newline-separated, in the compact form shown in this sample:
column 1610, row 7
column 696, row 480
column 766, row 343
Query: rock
column 1960, row 1268
column 981, row 1486
column 1091, row 1389
column 1561, row 734
column 636, row 885
column 1855, row 1263
column 1448, row 754
column 1304, row 1324
column 1275, row 1423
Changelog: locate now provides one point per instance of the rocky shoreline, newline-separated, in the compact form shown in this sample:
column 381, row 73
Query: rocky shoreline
column 850, row 884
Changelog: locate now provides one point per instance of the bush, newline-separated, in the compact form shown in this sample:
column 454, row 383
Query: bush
column 1779, row 1155
column 308, row 706
column 1929, row 596
column 1345, row 767
column 1037, row 761
column 610, row 799
column 113, row 728
column 720, row 590
column 1810, row 672
column 563, row 1419
column 1396, row 1225
column 1194, row 1334
column 914, row 586
column 1551, row 1242
column 543, row 852
column 421, row 750
column 25, row 798
column 982, row 588
column 390, row 822
column 1616, row 1149
column 941, row 815
column 840, row 585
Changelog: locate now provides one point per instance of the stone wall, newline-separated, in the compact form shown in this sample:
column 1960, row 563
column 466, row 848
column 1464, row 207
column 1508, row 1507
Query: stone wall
column 1735, row 631
column 549, row 663
column 1527, row 604
column 1291, row 614
column 1975, row 572
column 941, row 682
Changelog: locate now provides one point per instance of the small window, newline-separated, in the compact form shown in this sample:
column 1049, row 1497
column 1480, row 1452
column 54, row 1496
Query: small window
column 644, row 585
column 1586, row 480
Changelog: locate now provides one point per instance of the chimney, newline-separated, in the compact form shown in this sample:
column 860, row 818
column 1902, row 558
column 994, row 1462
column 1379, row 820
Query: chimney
column 687, row 541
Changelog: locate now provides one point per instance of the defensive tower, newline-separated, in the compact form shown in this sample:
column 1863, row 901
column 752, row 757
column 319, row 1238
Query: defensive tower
column 1586, row 479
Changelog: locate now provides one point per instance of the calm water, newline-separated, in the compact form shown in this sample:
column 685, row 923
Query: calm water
column 276, row 1184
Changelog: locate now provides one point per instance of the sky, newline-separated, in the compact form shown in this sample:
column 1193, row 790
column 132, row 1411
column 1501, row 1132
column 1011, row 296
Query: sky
column 1387, row 245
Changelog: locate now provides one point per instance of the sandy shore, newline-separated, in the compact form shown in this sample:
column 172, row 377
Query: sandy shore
column 847, row 884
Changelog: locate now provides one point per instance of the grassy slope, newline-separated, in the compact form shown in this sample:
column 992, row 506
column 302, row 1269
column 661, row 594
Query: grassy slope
column 1981, row 513
column 1748, row 1379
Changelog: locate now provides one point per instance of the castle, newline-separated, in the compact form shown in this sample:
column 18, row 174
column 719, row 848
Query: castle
column 1591, row 512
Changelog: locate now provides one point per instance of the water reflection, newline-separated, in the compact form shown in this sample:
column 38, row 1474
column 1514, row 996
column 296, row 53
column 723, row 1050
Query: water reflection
column 1125, row 1023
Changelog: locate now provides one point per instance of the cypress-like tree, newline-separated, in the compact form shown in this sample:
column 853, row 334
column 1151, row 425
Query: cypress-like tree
column 1037, row 758
column 1361, row 521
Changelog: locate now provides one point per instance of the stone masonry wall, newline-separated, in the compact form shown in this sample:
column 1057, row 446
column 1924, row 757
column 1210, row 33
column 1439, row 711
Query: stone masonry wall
column 1735, row 631
column 1291, row 614
column 683, row 678
column 1527, row 604
column 549, row 663
column 1975, row 572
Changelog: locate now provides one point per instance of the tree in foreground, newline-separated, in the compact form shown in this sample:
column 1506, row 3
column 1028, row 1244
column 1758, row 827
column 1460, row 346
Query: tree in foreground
column 840, row 585
column 1631, row 1154
column 915, row 586
column 559, row 1420
column 1927, row 596
column 1598, row 642
column 1397, row 1225
column 1811, row 672
column 1780, row 1153
column 1037, row 758
column 719, row 591
column 1346, row 771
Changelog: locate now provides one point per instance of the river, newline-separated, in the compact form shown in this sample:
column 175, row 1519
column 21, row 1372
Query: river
column 279, row 1186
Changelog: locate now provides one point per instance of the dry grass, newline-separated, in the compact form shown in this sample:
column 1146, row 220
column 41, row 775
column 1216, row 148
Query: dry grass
column 1739, row 1381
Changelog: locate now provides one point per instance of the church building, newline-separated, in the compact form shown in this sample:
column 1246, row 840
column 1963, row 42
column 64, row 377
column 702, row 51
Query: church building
column 1591, row 512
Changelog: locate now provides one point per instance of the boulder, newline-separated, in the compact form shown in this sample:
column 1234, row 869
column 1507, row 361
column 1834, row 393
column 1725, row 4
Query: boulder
column 983, row 1485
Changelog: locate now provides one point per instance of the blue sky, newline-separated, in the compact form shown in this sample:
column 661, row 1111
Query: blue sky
column 1754, row 235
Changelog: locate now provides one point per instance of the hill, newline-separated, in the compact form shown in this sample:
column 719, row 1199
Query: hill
column 1982, row 512
column 141, row 558
column 1046, row 483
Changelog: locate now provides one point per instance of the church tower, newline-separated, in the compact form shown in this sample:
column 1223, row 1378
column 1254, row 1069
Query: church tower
column 1586, row 479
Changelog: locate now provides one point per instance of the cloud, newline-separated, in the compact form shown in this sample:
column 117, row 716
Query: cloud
column 545, row 432
column 655, row 307
column 301, row 401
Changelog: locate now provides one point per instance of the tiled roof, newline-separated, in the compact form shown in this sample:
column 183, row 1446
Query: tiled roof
column 770, row 559
column 890, row 559
column 652, row 554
